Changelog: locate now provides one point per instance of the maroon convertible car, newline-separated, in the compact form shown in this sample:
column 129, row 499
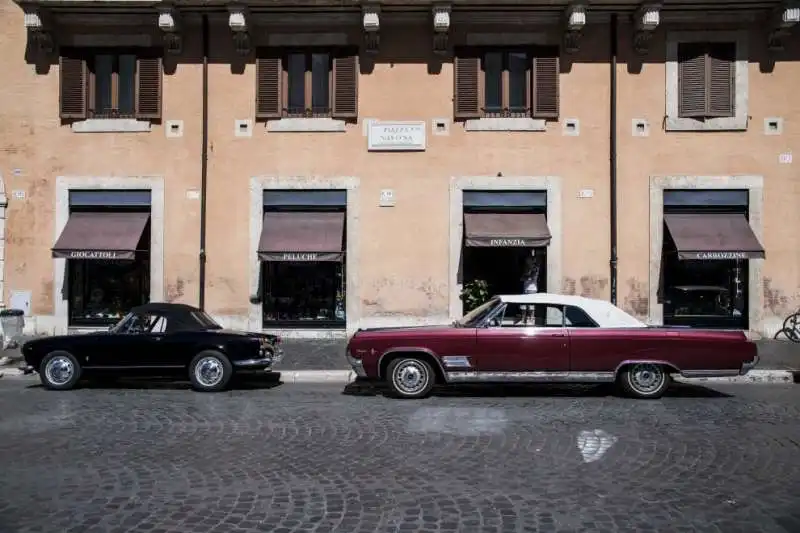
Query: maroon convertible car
column 546, row 338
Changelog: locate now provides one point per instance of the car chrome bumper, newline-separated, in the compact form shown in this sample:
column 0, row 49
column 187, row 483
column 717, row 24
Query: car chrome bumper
column 278, row 355
column 253, row 363
column 26, row 369
column 747, row 367
column 356, row 364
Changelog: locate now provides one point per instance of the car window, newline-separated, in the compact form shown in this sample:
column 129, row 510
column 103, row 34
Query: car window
column 531, row 316
column 133, row 324
column 577, row 318
column 158, row 324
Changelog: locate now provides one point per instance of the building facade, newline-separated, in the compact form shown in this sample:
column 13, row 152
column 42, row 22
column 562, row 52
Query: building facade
column 312, row 168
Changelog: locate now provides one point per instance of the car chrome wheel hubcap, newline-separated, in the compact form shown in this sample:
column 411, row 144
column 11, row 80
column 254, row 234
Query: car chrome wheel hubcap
column 647, row 378
column 59, row 370
column 410, row 377
column 209, row 371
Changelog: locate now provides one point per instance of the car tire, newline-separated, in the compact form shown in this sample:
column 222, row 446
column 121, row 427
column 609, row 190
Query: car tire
column 210, row 371
column 59, row 370
column 645, row 380
column 410, row 378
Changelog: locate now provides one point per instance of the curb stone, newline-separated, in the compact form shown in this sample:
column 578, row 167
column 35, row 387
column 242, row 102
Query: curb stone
column 348, row 376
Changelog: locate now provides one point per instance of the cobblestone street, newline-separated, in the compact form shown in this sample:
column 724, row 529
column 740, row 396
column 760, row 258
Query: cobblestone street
column 306, row 458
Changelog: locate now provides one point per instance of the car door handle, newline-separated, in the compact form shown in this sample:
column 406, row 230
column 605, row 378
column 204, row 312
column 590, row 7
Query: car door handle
column 544, row 335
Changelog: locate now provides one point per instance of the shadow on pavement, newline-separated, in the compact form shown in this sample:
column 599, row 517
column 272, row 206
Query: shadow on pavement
column 676, row 390
column 264, row 382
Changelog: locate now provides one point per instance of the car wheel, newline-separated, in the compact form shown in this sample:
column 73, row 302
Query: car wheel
column 210, row 371
column 59, row 371
column 645, row 380
column 410, row 378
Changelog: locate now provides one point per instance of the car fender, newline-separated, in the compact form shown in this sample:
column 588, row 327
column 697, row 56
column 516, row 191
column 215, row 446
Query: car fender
column 410, row 349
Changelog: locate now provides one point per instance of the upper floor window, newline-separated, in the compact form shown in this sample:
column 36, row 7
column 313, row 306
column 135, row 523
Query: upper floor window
column 310, row 83
column 110, row 83
column 706, row 80
column 507, row 82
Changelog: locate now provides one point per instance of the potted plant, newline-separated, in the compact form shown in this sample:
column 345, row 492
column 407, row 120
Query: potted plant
column 474, row 293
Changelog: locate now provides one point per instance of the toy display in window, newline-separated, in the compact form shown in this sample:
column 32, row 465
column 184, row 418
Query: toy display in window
column 303, row 292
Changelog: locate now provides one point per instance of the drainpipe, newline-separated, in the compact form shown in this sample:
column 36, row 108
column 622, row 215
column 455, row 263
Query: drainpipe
column 204, row 169
column 612, row 157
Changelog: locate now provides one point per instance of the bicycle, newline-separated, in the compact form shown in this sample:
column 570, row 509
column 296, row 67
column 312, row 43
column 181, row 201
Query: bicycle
column 791, row 327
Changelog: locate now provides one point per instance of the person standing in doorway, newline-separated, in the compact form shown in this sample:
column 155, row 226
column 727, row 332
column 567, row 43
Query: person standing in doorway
column 530, row 283
column 530, row 275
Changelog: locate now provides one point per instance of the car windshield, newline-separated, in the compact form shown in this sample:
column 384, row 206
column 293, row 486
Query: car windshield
column 477, row 315
column 130, row 323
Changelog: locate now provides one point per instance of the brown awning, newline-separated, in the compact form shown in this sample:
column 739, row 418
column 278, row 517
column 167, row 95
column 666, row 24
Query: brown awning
column 302, row 236
column 506, row 230
column 101, row 236
column 713, row 236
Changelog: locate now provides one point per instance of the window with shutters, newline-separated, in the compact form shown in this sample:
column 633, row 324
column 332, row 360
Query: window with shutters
column 110, row 83
column 307, row 83
column 497, row 82
column 706, row 84
column 706, row 80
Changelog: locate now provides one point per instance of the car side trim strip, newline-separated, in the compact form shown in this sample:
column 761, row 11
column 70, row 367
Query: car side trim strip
column 710, row 373
column 530, row 377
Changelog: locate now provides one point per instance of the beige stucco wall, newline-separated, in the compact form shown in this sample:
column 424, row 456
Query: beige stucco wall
column 403, row 260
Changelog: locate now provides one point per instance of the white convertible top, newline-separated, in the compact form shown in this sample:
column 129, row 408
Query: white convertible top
column 606, row 314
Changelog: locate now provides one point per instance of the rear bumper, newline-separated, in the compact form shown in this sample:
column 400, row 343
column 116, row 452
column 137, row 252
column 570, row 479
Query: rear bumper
column 253, row 364
column 750, row 365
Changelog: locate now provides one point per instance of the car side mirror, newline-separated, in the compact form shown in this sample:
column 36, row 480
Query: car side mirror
column 493, row 323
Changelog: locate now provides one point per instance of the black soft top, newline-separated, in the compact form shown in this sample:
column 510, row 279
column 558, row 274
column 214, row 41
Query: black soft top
column 180, row 317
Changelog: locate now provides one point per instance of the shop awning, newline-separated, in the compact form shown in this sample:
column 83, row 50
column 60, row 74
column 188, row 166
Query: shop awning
column 506, row 230
column 713, row 236
column 302, row 236
column 101, row 236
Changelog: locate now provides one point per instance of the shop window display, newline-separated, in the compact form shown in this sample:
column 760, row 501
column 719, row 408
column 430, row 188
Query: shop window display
column 704, row 293
column 102, row 292
column 304, row 294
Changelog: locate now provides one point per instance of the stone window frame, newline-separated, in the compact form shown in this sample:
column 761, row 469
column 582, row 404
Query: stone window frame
column 64, row 184
column 755, row 186
column 300, row 40
column 508, row 39
column 111, row 125
column 551, row 184
column 258, row 184
column 736, row 123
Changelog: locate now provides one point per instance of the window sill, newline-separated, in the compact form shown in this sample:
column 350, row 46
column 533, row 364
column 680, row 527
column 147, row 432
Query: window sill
column 505, row 124
column 306, row 125
column 111, row 125
column 714, row 124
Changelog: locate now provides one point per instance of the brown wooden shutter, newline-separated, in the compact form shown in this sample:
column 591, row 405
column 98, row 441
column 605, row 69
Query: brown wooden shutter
column 545, row 84
column 269, row 99
column 148, row 88
column 692, row 80
column 466, row 90
column 73, row 77
column 721, row 80
column 344, row 93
